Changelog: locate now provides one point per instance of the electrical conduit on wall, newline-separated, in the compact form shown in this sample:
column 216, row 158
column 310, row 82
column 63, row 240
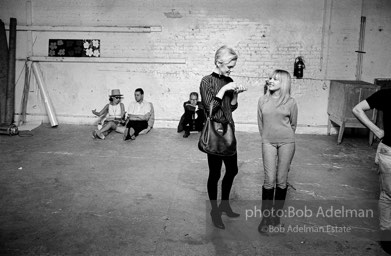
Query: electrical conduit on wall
column 44, row 94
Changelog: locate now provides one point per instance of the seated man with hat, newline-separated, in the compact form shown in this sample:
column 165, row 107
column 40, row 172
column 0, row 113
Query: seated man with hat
column 114, row 111
column 141, row 116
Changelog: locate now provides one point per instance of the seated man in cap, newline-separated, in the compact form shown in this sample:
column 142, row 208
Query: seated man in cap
column 141, row 116
column 193, row 119
column 113, row 112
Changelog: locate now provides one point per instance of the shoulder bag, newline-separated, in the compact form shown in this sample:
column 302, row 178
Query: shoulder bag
column 217, row 138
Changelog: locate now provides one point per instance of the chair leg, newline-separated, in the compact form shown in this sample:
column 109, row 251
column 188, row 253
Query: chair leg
column 340, row 133
column 328, row 126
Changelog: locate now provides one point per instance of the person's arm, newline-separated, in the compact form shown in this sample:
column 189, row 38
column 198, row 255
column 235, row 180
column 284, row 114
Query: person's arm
column 189, row 107
column 359, row 112
column 122, row 119
column 260, row 118
column 208, row 96
column 122, row 110
column 293, row 116
column 104, row 110
column 151, row 121
column 234, row 101
column 230, row 86
column 136, row 117
column 145, row 131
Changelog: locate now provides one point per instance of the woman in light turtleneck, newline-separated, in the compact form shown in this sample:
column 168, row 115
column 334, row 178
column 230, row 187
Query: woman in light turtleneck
column 277, row 121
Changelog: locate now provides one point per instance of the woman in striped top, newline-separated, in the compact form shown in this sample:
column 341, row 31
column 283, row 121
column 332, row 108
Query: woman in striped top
column 220, row 90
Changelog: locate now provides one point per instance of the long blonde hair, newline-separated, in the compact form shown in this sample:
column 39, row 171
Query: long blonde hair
column 285, row 78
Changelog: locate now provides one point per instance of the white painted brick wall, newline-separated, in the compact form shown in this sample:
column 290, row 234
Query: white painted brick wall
column 266, row 35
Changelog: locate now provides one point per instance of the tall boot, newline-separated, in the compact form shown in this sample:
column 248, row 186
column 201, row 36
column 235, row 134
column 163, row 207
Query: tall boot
column 216, row 215
column 267, row 204
column 385, row 240
column 279, row 201
column 226, row 207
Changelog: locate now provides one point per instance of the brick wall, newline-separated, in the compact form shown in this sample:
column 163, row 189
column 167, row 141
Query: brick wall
column 266, row 35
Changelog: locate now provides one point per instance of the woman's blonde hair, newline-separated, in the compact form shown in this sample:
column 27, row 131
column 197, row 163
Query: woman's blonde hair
column 225, row 55
column 285, row 79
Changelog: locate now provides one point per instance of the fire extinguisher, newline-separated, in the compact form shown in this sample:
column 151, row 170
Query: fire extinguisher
column 298, row 67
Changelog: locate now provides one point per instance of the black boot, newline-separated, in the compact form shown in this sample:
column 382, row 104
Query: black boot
column 216, row 215
column 267, row 204
column 226, row 207
column 279, row 201
column 385, row 241
column 216, row 218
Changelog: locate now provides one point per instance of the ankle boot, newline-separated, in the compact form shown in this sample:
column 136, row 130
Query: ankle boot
column 226, row 207
column 385, row 240
column 216, row 218
column 267, row 203
column 279, row 201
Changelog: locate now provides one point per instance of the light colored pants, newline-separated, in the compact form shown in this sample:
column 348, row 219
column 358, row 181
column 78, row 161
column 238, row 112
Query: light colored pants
column 277, row 158
column 384, row 159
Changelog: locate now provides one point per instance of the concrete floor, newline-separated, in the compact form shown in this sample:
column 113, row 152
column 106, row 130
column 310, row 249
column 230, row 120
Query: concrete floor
column 64, row 193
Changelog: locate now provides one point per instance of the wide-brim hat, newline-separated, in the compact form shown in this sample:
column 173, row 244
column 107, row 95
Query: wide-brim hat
column 115, row 92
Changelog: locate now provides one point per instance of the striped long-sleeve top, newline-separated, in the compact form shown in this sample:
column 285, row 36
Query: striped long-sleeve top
column 221, row 108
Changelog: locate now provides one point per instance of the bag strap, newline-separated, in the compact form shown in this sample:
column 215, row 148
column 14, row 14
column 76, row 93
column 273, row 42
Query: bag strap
column 210, row 111
column 210, row 108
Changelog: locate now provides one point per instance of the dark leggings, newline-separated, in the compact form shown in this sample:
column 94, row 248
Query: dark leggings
column 231, row 169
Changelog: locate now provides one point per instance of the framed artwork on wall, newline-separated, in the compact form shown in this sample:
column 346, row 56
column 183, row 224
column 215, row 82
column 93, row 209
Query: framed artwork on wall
column 74, row 48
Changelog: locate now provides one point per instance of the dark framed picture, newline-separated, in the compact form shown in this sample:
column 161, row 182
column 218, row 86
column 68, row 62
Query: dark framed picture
column 74, row 48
